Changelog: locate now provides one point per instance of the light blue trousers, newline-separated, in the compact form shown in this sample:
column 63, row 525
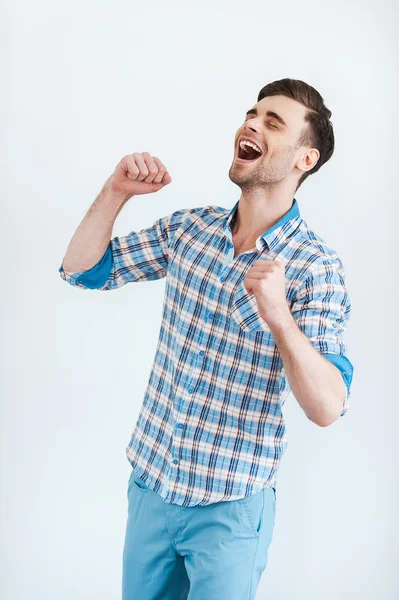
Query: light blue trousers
column 213, row 552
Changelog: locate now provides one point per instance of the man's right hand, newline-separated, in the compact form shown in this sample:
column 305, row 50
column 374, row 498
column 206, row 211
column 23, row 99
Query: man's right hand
column 138, row 173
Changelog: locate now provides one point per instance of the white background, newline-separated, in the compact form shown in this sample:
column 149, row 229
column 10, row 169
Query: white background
column 83, row 84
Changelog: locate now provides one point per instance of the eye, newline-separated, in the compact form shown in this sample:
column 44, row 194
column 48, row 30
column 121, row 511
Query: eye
column 274, row 126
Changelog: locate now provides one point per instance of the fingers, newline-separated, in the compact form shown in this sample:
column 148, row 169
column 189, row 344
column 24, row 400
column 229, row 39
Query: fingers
column 166, row 178
column 144, row 167
column 130, row 167
column 141, row 160
column 262, row 268
column 161, row 170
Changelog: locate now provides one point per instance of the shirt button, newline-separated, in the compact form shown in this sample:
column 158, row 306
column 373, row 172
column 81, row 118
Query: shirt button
column 180, row 425
column 175, row 462
column 201, row 353
column 190, row 390
column 210, row 316
column 222, row 279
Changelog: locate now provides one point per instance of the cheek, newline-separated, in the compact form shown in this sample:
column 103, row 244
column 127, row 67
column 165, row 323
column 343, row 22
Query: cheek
column 277, row 153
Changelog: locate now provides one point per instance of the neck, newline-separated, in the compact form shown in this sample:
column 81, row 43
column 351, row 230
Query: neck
column 257, row 211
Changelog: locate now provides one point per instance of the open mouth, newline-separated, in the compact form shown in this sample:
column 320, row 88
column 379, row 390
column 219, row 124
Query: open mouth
column 248, row 151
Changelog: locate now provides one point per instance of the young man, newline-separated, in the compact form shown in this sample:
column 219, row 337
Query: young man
column 255, row 305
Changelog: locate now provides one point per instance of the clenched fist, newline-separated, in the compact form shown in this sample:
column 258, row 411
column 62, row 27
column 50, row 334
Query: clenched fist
column 266, row 280
column 138, row 173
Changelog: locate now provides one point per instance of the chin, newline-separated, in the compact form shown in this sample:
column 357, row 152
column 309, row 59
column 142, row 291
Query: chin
column 239, row 177
column 233, row 175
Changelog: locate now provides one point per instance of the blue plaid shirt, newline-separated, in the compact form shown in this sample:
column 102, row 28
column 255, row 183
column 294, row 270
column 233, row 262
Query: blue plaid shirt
column 211, row 426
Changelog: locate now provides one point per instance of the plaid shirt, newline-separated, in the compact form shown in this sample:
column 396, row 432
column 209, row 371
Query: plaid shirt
column 211, row 426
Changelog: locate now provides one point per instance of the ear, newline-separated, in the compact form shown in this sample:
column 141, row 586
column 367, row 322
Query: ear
column 308, row 160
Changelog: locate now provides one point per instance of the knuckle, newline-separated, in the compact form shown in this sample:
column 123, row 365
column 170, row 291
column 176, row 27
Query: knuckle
column 161, row 167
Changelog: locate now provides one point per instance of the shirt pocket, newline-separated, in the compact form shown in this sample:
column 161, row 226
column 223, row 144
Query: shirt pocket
column 244, row 312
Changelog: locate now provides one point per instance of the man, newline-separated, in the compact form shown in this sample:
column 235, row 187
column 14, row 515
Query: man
column 255, row 305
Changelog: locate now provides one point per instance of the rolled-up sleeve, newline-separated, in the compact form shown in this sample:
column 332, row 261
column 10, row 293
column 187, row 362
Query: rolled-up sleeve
column 139, row 256
column 322, row 309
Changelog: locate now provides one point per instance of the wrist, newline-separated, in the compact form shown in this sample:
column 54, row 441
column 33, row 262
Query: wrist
column 282, row 322
column 114, row 195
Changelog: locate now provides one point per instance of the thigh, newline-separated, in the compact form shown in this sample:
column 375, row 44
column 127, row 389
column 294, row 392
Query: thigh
column 226, row 547
column 152, row 570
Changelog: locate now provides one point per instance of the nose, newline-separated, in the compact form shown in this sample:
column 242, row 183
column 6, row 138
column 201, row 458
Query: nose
column 250, row 126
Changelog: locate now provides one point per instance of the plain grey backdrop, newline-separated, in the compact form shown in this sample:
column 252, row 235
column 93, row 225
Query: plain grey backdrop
column 85, row 83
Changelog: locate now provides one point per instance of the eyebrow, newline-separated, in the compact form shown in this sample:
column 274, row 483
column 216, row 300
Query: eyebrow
column 270, row 113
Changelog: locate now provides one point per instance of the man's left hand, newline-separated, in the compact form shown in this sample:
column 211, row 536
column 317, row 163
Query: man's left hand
column 266, row 280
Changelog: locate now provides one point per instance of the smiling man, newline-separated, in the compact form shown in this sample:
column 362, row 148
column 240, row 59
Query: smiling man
column 255, row 306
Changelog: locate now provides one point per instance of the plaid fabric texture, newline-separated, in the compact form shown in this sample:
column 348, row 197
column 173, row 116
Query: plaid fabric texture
column 211, row 426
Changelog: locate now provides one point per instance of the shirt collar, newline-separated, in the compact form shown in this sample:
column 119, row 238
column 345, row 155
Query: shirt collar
column 278, row 232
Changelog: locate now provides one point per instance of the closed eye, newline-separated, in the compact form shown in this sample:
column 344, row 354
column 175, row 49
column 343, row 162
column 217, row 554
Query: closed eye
column 271, row 125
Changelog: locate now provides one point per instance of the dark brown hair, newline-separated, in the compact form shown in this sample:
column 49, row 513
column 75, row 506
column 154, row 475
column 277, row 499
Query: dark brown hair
column 318, row 133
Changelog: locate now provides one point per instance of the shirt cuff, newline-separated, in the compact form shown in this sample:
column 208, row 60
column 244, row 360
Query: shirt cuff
column 94, row 278
column 345, row 366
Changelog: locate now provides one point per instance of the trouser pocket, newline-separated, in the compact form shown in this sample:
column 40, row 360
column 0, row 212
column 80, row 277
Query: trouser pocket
column 136, row 482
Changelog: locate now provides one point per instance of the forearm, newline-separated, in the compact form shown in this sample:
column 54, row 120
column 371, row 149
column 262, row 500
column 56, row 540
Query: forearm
column 315, row 382
column 92, row 237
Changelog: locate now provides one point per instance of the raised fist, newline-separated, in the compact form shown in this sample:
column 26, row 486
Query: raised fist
column 139, row 173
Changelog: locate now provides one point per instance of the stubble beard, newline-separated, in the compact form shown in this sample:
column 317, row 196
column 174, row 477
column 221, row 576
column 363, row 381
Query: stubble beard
column 263, row 175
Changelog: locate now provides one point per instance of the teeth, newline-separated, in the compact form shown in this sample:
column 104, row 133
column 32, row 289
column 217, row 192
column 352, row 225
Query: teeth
column 246, row 143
